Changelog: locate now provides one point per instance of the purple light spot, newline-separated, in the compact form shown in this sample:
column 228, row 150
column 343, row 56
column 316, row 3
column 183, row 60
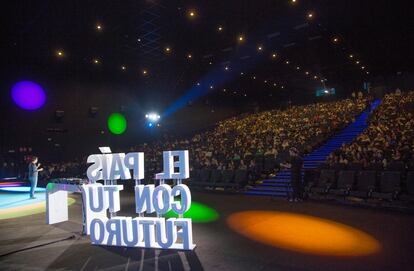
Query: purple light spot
column 28, row 95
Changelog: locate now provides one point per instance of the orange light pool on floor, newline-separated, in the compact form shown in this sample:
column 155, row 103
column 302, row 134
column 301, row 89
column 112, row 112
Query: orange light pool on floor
column 303, row 233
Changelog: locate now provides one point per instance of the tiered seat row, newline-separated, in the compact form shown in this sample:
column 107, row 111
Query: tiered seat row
column 224, row 179
column 366, row 185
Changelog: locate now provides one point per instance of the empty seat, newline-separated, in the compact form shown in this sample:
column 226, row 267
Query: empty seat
column 396, row 166
column 365, row 184
column 408, row 194
column 240, row 177
column 194, row 176
column 203, row 178
column 227, row 179
column 338, row 166
column 355, row 166
column 325, row 182
column 346, row 180
column 390, row 185
column 375, row 166
column 310, row 177
column 269, row 163
column 216, row 176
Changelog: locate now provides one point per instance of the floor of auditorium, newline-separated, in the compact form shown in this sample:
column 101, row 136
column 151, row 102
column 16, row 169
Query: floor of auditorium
column 218, row 246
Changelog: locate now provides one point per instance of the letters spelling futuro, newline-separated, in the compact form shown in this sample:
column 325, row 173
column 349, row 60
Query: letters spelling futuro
column 149, row 232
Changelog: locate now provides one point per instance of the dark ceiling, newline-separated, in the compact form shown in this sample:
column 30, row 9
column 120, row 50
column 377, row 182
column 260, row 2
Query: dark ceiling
column 135, row 34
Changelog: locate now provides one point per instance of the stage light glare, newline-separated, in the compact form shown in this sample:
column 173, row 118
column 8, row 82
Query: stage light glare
column 191, row 13
column 226, row 68
column 60, row 53
column 260, row 48
column 287, row 62
column 298, row 68
column 303, row 233
column 351, row 56
column 152, row 117
column 189, row 56
column 144, row 72
column 98, row 27
column 28, row 95
column 117, row 123
column 310, row 15
column 307, row 73
column 167, row 49
column 123, row 68
column 220, row 28
column 240, row 38
column 357, row 62
column 96, row 61
column 274, row 55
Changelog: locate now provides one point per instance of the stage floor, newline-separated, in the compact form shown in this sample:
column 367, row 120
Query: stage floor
column 220, row 247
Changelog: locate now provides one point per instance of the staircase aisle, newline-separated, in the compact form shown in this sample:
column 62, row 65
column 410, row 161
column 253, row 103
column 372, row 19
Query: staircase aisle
column 278, row 186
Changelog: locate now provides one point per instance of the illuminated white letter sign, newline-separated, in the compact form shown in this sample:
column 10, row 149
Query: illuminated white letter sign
column 141, row 231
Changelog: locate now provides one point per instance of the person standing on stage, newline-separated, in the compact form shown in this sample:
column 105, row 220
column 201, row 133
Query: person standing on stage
column 34, row 169
column 295, row 164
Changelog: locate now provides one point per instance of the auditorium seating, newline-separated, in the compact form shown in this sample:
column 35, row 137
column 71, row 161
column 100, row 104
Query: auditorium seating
column 325, row 182
column 366, row 180
column 345, row 183
column 389, row 185
column 366, row 187
column 223, row 179
column 408, row 194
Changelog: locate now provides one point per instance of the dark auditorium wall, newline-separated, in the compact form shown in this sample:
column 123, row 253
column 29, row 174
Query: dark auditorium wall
column 82, row 133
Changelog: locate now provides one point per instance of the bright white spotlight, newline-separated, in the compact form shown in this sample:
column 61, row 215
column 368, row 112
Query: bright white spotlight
column 152, row 117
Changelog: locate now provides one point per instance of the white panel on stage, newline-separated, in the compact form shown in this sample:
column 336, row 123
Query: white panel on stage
column 56, row 206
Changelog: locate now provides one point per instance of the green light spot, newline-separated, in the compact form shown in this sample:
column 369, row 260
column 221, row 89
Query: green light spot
column 117, row 123
column 198, row 212
column 49, row 186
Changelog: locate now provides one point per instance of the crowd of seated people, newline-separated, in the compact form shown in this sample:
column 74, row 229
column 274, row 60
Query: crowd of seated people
column 244, row 142
column 69, row 169
column 387, row 143
column 19, row 170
